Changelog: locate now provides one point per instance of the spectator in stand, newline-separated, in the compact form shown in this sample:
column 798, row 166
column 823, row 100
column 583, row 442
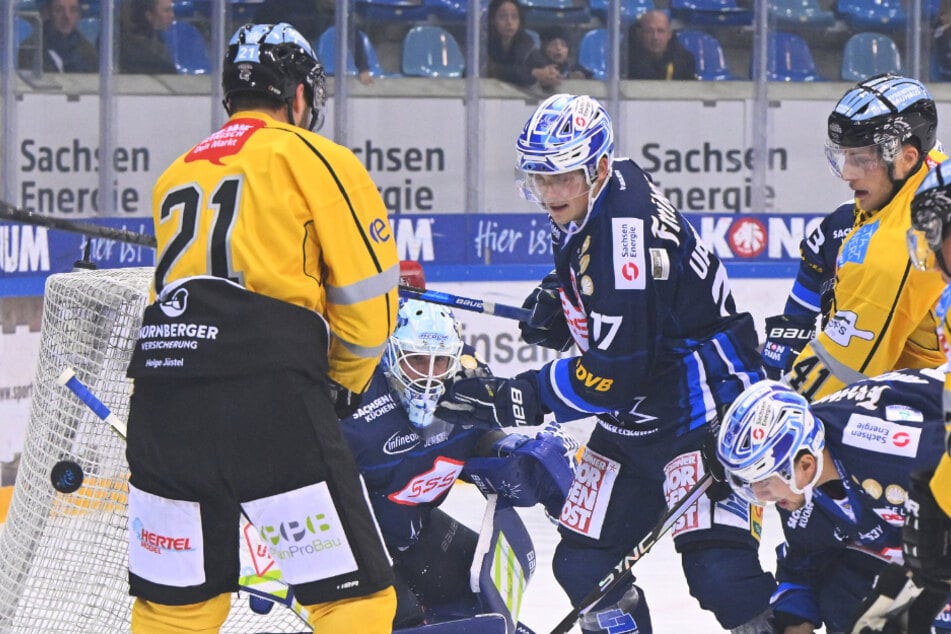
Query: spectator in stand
column 509, row 45
column 141, row 47
column 654, row 53
column 311, row 18
column 65, row 50
column 552, row 62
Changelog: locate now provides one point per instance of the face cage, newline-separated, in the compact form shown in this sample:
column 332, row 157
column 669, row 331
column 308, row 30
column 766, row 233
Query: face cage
column 839, row 156
column 532, row 191
column 420, row 395
column 744, row 488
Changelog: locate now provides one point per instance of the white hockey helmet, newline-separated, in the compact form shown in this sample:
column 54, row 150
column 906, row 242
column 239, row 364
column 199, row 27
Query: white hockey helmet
column 422, row 353
column 761, row 435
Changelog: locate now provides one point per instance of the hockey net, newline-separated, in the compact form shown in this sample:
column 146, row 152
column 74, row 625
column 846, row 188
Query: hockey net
column 63, row 557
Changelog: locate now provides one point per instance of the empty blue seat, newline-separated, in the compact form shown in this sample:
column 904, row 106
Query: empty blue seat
column 868, row 54
column 789, row 58
column 540, row 13
column 89, row 27
column 794, row 13
column 393, row 10
column 710, row 12
column 326, row 50
column 431, row 51
column 593, row 52
column 22, row 29
column 872, row 15
column 630, row 9
column 706, row 49
column 188, row 48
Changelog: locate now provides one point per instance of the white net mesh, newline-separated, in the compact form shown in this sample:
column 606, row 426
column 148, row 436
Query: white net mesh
column 63, row 558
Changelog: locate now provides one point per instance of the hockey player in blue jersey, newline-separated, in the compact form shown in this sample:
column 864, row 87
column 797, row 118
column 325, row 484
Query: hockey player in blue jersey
column 410, row 460
column 662, row 350
column 811, row 294
column 838, row 472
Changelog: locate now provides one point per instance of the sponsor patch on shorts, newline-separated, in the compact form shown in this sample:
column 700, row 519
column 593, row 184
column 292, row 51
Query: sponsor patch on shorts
column 165, row 540
column 587, row 500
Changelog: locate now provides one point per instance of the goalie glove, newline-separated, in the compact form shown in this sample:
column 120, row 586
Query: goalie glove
column 785, row 339
column 547, row 326
column 897, row 604
column 492, row 402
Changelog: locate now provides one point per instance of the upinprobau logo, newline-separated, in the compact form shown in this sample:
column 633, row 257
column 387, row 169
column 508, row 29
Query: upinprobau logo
column 293, row 538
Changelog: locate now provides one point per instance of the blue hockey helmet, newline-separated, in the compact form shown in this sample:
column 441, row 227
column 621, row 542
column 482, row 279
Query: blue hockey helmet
column 422, row 353
column 762, row 434
column 882, row 112
column 564, row 134
column 271, row 60
column 930, row 218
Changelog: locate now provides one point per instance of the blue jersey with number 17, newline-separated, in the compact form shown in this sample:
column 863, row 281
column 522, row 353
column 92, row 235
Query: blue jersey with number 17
column 663, row 347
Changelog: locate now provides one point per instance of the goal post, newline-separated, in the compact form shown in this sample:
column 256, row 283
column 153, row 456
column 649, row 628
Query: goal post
column 64, row 557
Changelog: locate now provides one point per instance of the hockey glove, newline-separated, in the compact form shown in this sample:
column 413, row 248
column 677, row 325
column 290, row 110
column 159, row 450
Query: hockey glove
column 926, row 535
column 897, row 605
column 345, row 402
column 785, row 339
column 492, row 402
column 719, row 489
column 547, row 326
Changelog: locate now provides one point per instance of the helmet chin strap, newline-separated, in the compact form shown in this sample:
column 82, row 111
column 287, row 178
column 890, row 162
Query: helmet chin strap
column 808, row 489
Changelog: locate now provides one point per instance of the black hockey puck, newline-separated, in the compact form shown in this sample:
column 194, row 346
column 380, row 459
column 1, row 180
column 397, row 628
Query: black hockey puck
column 66, row 476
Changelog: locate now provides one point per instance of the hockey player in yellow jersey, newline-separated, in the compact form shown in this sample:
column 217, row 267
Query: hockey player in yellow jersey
column 881, row 141
column 274, row 297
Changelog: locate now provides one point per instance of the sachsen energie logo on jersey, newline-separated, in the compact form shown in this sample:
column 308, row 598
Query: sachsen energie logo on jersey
column 629, row 271
column 875, row 434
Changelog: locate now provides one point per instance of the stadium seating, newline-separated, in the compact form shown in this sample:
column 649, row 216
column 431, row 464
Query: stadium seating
column 593, row 52
column 710, row 12
column 630, row 10
column 706, row 49
column 569, row 13
column 799, row 13
column 89, row 27
column 22, row 29
column 790, row 59
column 872, row 15
column 327, row 53
column 393, row 10
column 868, row 54
column 188, row 48
column 431, row 51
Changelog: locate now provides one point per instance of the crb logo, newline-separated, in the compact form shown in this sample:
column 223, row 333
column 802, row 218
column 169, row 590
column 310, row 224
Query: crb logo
column 791, row 333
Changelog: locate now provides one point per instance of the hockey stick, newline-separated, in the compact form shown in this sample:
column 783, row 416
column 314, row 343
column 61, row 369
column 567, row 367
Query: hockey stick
column 266, row 585
column 9, row 212
column 622, row 570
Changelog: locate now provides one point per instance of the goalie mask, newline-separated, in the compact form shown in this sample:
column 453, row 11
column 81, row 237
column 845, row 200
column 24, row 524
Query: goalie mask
column 272, row 60
column 422, row 353
column 871, row 121
column 762, row 434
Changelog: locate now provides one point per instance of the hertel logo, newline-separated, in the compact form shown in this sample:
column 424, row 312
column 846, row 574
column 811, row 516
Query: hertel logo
column 747, row 237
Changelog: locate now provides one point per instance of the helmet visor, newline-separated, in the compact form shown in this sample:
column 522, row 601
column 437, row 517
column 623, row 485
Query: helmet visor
column 854, row 162
column 552, row 188
column 763, row 491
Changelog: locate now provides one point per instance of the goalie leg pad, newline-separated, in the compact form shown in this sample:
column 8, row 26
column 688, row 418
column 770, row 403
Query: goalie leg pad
column 436, row 567
column 728, row 581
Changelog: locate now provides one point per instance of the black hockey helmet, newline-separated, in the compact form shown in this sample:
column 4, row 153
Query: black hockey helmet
column 885, row 111
column 931, row 219
column 272, row 59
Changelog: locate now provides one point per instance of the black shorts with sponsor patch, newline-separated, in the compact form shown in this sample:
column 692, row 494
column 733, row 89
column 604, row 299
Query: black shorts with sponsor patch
column 230, row 440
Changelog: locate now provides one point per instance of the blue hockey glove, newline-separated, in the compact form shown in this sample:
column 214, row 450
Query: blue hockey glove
column 785, row 339
column 547, row 326
column 926, row 535
column 492, row 402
